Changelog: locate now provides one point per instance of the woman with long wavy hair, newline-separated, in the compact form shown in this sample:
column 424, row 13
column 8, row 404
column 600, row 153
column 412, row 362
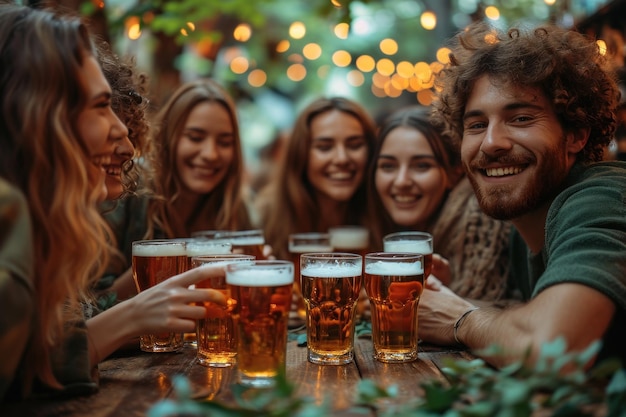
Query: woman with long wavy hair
column 57, row 134
column 416, row 183
column 195, row 170
column 320, row 182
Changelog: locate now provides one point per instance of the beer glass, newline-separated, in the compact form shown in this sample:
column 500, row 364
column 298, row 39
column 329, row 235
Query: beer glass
column 201, row 247
column 300, row 243
column 215, row 332
column 204, row 234
column 247, row 242
column 260, row 292
column 350, row 239
column 331, row 283
column 412, row 242
column 197, row 246
column 394, row 283
column 154, row 261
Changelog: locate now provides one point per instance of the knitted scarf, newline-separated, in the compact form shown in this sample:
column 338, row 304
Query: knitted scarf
column 475, row 245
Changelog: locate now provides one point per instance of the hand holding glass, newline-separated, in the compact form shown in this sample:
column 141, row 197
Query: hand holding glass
column 154, row 261
column 217, row 340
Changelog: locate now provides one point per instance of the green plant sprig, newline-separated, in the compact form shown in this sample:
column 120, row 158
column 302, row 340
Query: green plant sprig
column 556, row 385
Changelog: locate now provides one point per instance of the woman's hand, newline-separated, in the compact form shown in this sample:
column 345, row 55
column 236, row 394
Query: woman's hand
column 166, row 307
column 170, row 306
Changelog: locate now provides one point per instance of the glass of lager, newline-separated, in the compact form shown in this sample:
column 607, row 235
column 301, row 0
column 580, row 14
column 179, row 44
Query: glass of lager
column 247, row 242
column 217, row 342
column 300, row 243
column 260, row 293
column 331, row 283
column 201, row 247
column 351, row 239
column 154, row 261
column 198, row 246
column 412, row 242
column 394, row 283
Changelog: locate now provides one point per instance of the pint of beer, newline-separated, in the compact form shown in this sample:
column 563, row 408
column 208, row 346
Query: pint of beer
column 412, row 242
column 155, row 261
column 216, row 336
column 351, row 239
column 200, row 247
column 300, row 243
column 247, row 242
column 331, row 283
column 394, row 283
column 260, row 293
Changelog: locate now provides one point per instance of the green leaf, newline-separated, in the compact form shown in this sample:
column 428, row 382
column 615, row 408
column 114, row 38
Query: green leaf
column 480, row 409
column 592, row 350
column 618, row 383
column 368, row 392
column 438, row 397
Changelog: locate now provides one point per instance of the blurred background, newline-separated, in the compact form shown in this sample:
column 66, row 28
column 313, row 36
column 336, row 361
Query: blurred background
column 276, row 55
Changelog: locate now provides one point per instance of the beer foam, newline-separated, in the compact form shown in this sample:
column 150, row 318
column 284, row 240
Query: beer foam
column 244, row 240
column 207, row 248
column 160, row 249
column 222, row 262
column 410, row 246
column 260, row 277
column 332, row 271
column 394, row 268
column 310, row 248
column 349, row 238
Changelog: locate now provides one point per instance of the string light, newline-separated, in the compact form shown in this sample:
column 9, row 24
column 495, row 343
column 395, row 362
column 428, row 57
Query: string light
column 133, row 28
column 428, row 20
column 297, row 30
column 242, row 32
column 342, row 30
column 388, row 46
column 312, row 51
column 492, row 13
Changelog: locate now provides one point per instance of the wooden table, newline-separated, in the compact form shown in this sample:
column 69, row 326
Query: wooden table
column 133, row 381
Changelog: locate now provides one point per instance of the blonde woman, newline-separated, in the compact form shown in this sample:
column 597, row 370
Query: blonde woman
column 57, row 134
column 196, row 175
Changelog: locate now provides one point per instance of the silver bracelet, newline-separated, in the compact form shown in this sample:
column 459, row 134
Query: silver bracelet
column 459, row 322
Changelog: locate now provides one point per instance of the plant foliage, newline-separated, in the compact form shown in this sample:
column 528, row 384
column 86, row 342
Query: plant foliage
column 556, row 385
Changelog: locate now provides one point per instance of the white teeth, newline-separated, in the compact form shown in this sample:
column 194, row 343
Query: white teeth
column 500, row 172
column 112, row 170
column 340, row 176
column 101, row 160
column 206, row 171
column 404, row 198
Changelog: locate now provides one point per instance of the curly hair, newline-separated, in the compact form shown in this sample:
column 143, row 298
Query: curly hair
column 566, row 65
column 222, row 209
column 128, row 100
column 41, row 54
column 287, row 204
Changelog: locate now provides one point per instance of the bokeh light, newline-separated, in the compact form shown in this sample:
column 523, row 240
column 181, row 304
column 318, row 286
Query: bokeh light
column 297, row 30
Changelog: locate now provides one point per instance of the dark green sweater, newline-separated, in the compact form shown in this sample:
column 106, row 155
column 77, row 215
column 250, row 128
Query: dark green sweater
column 585, row 243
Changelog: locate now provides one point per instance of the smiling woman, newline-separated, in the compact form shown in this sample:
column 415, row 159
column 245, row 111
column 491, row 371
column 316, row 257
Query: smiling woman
column 57, row 131
column 416, row 183
column 321, row 180
column 196, row 172
column 128, row 87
